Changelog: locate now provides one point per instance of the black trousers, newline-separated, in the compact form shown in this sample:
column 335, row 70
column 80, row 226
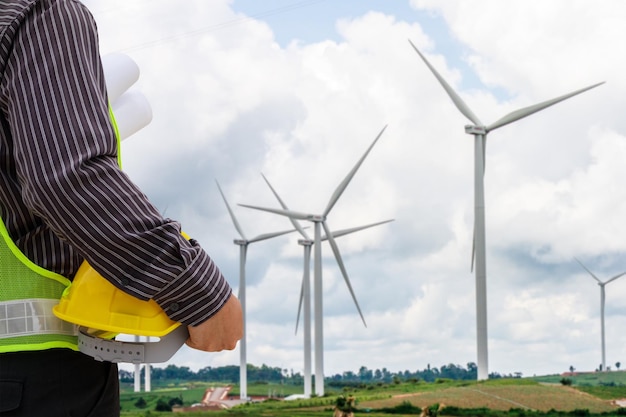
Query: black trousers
column 57, row 383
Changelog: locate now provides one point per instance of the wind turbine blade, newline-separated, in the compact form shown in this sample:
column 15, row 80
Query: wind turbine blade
column 300, row 304
column 270, row 235
column 473, row 249
column 527, row 111
column 284, row 206
column 591, row 273
column 344, row 232
column 342, row 186
column 335, row 249
column 616, row 277
column 286, row 213
column 230, row 211
column 458, row 102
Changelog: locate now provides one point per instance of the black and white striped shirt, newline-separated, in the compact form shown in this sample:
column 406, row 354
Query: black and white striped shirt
column 63, row 197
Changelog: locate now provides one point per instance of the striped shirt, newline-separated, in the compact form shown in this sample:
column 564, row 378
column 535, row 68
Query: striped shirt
column 63, row 197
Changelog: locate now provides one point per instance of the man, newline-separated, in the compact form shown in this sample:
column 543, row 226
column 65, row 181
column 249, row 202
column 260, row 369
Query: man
column 63, row 200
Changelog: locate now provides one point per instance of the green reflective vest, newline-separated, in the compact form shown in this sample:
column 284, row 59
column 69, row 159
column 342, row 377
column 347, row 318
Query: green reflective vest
column 27, row 294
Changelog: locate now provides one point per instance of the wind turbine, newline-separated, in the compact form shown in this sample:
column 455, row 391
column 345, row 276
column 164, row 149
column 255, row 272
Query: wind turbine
column 319, row 222
column 305, row 292
column 243, row 249
column 479, row 130
column 602, row 301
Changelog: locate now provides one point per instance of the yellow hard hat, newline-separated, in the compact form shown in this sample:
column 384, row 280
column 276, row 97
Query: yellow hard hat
column 93, row 302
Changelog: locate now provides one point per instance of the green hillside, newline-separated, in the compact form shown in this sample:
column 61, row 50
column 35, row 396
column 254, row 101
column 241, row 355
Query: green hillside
column 587, row 378
column 525, row 397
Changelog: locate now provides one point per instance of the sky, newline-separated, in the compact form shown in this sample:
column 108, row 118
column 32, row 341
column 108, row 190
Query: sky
column 298, row 90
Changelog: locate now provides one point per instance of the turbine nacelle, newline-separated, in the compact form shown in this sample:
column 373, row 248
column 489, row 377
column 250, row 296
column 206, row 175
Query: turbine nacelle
column 475, row 130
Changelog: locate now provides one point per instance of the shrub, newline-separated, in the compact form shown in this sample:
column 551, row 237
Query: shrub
column 520, row 412
column 405, row 407
column 566, row 381
column 433, row 410
column 469, row 412
column 175, row 401
column 141, row 403
column 450, row 410
column 161, row 405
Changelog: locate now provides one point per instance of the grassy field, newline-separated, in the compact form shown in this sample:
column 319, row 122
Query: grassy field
column 587, row 378
column 536, row 397
column 527, row 395
column 604, row 385
column 193, row 392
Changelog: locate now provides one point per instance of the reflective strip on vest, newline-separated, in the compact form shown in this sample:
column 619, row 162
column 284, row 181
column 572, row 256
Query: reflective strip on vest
column 32, row 317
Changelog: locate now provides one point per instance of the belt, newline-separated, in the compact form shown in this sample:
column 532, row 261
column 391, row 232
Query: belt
column 132, row 352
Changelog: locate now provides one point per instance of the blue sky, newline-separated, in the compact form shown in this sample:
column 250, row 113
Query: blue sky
column 311, row 21
column 315, row 20
column 298, row 90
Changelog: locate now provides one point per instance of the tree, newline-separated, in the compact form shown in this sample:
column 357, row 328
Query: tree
column 141, row 403
column 571, row 368
column 349, row 376
column 365, row 374
column 344, row 407
column 617, row 365
column 386, row 375
column 125, row 376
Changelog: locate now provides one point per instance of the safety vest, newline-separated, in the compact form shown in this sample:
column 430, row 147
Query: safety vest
column 28, row 293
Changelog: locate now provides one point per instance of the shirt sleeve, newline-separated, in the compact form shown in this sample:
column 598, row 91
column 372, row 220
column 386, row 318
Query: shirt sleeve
column 65, row 152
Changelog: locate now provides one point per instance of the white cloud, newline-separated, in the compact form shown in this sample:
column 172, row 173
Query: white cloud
column 230, row 103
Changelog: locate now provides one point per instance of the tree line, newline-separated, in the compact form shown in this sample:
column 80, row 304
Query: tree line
column 264, row 373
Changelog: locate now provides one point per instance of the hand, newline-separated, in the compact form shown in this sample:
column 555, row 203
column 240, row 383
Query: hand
column 220, row 332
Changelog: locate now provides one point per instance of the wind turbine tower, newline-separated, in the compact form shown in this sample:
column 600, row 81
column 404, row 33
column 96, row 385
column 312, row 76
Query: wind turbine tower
column 480, row 131
column 306, row 243
column 319, row 222
column 243, row 249
column 602, row 301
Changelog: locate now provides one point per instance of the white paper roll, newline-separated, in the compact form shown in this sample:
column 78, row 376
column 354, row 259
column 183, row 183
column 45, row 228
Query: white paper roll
column 132, row 112
column 120, row 73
